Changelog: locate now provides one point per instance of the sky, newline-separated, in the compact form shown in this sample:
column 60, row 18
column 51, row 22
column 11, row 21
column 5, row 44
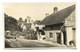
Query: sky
column 35, row 10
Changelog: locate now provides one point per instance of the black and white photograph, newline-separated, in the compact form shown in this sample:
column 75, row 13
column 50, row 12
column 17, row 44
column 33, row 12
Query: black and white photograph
column 39, row 25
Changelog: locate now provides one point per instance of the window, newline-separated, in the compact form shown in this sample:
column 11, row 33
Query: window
column 42, row 32
column 73, row 28
column 51, row 35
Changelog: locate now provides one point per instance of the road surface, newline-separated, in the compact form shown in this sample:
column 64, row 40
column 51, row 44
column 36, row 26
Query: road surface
column 22, row 43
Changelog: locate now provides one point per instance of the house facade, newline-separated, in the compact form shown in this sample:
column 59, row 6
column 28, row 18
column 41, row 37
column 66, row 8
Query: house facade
column 25, row 25
column 60, row 26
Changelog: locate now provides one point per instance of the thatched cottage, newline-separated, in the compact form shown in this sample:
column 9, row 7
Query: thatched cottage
column 59, row 26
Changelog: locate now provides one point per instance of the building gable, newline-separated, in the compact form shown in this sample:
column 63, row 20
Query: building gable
column 70, row 21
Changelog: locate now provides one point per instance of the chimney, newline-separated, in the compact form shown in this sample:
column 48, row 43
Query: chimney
column 55, row 9
column 25, row 20
column 47, row 14
column 28, row 19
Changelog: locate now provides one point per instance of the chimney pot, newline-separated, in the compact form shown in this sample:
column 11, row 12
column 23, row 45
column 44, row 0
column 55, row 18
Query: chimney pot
column 55, row 9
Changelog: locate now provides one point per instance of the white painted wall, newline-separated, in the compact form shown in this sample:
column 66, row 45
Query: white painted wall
column 69, row 33
column 47, row 35
column 40, row 37
column 70, row 23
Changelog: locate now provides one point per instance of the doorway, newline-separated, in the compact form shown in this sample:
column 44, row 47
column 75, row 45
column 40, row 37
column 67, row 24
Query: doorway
column 58, row 38
column 65, row 38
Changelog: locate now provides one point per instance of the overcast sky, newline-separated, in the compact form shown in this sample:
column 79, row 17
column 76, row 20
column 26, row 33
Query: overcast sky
column 35, row 10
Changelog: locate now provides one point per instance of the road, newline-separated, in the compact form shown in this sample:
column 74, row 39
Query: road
column 22, row 43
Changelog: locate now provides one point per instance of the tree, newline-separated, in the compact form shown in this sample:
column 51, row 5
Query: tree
column 37, row 21
column 10, row 23
column 20, row 19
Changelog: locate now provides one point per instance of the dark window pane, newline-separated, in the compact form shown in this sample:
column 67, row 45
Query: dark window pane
column 51, row 35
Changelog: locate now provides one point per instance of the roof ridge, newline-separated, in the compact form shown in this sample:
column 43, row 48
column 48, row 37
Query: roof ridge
column 59, row 16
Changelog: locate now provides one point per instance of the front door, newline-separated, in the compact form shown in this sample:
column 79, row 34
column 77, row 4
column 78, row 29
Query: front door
column 65, row 38
column 58, row 38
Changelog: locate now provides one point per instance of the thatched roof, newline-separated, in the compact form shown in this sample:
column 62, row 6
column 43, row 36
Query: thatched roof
column 58, row 17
